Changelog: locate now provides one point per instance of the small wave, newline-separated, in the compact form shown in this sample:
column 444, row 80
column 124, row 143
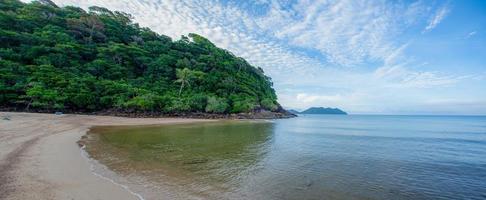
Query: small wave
column 85, row 155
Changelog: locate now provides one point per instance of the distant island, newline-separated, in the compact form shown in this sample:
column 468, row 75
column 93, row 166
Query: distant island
column 320, row 110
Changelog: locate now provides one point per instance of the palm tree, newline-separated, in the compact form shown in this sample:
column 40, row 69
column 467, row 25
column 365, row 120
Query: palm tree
column 184, row 76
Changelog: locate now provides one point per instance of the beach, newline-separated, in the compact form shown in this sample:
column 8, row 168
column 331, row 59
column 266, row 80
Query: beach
column 40, row 157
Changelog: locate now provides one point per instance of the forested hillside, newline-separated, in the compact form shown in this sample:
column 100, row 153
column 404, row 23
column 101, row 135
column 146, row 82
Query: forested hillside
column 72, row 60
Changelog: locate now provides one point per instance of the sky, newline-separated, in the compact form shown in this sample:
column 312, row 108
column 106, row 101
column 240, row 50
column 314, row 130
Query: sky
column 363, row 56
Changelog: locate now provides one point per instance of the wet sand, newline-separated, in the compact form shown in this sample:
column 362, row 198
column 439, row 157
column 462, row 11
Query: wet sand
column 39, row 157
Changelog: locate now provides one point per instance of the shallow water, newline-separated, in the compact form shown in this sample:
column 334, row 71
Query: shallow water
column 309, row 157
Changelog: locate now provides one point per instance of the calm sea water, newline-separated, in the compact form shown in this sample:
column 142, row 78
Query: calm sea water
column 309, row 157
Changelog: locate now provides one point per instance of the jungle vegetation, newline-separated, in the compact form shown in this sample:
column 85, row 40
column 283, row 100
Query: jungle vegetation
column 68, row 59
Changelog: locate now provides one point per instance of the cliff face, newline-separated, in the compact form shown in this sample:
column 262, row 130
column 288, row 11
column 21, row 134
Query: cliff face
column 71, row 60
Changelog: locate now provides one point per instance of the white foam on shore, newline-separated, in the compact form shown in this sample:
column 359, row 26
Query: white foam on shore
column 85, row 155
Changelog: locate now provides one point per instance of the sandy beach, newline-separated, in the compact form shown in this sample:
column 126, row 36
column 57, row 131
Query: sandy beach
column 39, row 157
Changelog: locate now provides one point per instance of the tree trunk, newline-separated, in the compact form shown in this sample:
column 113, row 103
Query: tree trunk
column 28, row 105
column 180, row 89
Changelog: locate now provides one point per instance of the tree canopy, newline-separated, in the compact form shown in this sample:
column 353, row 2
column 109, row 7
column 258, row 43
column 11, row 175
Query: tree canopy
column 69, row 59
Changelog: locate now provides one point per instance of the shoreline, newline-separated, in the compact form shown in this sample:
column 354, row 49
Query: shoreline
column 41, row 159
column 92, row 166
column 259, row 114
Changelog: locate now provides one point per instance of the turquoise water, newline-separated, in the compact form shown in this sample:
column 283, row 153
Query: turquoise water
column 309, row 157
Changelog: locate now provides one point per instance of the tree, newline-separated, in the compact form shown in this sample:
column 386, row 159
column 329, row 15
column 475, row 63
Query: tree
column 184, row 76
column 42, row 97
column 88, row 27
column 216, row 105
column 269, row 104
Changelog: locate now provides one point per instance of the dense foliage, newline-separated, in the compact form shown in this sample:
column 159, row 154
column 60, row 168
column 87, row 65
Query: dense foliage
column 69, row 59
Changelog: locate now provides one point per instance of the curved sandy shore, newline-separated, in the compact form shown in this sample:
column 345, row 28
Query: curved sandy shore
column 39, row 157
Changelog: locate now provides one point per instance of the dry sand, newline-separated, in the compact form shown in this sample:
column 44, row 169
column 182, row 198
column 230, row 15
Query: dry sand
column 39, row 157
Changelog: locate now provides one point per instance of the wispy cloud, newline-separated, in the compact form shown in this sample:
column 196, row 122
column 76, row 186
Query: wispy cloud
column 435, row 20
column 470, row 34
column 400, row 77
column 346, row 33
column 373, row 92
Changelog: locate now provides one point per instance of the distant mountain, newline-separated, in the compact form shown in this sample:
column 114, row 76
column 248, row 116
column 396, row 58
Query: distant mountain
column 321, row 110
column 293, row 111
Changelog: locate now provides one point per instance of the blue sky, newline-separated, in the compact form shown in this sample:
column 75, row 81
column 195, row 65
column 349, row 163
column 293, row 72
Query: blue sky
column 366, row 57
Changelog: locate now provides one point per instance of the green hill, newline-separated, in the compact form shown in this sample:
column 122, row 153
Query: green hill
column 72, row 60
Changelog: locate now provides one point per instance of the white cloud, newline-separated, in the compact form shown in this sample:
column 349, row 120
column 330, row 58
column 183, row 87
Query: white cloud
column 437, row 18
column 347, row 33
column 382, row 90
column 306, row 98
column 398, row 76
column 470, row 34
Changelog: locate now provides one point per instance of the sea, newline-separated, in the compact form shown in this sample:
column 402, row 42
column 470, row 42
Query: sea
column 308, row 157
